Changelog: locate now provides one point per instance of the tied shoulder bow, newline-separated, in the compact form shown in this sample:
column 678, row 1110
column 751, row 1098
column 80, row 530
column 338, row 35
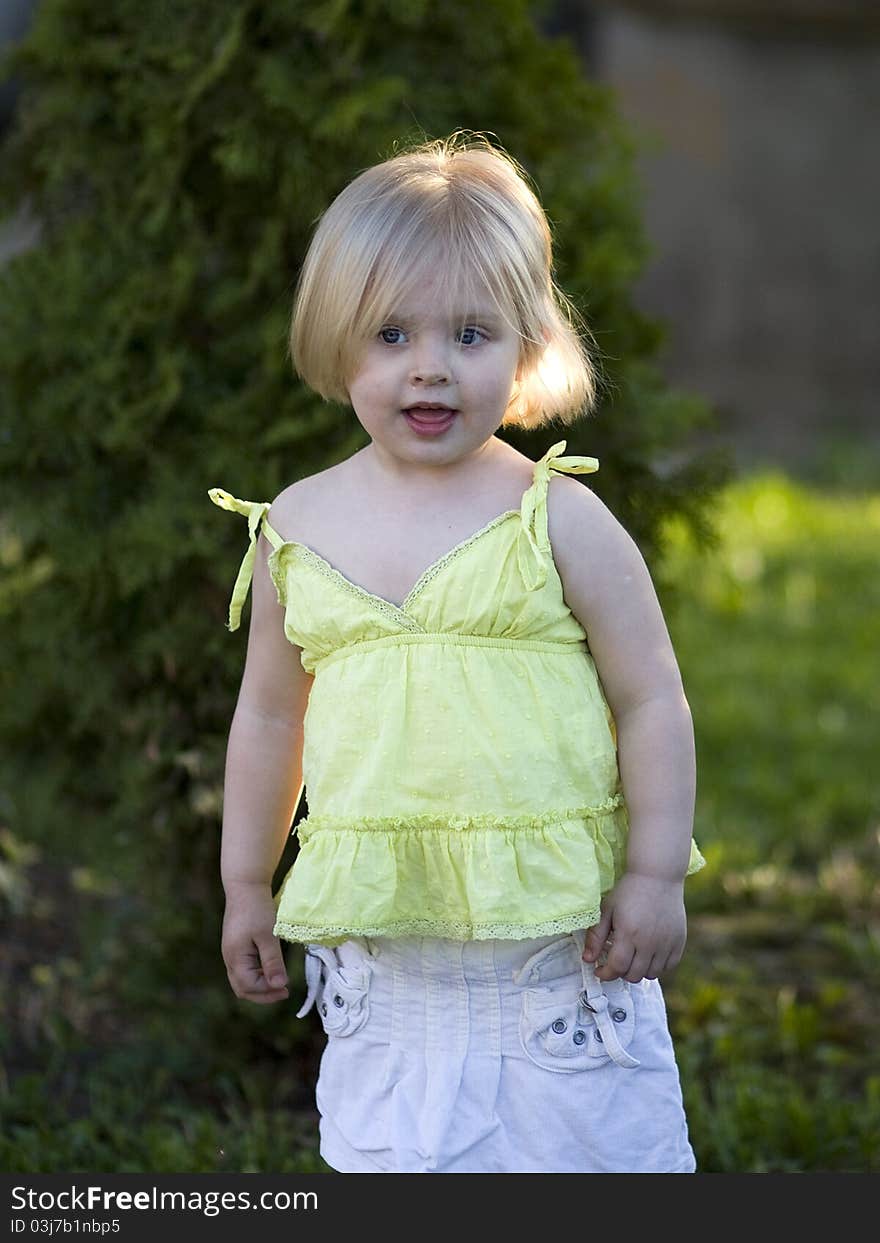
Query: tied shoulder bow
column 255, row 512
column 533, row 547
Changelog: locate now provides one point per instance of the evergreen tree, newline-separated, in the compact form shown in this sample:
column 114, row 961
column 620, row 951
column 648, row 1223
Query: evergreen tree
column 177, row 155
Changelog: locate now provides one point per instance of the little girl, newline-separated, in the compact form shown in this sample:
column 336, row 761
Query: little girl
column 468, row 671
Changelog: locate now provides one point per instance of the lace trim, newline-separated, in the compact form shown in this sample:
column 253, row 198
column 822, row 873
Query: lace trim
column 434, row 569
column 458, row 930
column 396, row 613
column 278, row 576
column 530, row 505
column 438, row 822
column 389, row 610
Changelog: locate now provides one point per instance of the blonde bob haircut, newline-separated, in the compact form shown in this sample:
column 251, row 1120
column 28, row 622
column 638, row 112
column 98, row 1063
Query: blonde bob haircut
column 457, row 211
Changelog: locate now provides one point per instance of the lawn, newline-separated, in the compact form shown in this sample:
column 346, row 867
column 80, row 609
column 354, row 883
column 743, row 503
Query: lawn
column 774, row 1007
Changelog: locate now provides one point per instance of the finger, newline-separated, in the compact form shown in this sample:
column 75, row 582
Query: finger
column 637, row 968
column 677, row 954
column 268, row 999
column 672, row 961
column 656, row 965
column 619, row 959
column 597, row 936
column 254, row 987
column 248, row 971
column 272, row 961
column 247, row 979
column 256, row 990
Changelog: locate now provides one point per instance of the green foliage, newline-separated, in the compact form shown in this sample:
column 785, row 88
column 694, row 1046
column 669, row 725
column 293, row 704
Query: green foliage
column 177, row 156
column 119, row 1127
column 774, row 1008
column 791, row 596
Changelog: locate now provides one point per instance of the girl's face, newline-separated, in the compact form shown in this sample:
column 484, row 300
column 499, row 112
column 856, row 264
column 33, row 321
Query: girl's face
column 421, row 355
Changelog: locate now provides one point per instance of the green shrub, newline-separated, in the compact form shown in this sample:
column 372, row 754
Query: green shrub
column 177, row 156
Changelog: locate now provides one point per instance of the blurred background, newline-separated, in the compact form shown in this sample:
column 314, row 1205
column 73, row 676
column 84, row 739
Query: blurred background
column 706, row 167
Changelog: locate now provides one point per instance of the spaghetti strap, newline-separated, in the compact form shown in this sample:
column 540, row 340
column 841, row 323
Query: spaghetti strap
column 533, row 546
column 255, row 512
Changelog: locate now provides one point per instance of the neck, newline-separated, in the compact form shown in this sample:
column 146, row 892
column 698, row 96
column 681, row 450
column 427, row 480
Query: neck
column 385, row 470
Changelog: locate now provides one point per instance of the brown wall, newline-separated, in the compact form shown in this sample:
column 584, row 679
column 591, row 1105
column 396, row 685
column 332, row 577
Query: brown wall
column 761, row 200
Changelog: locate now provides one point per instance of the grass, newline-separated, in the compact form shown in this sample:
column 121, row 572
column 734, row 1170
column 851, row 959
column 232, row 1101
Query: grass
column 774, row 1008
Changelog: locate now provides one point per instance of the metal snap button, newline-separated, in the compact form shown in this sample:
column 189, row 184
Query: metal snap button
column 579, row 1036
column 337, row 1000
column 618, row 1015
column 559, row 1026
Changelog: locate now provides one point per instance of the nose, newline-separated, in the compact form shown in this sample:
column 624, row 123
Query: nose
column 433, row 373
column 430, row 366
column 429, row 380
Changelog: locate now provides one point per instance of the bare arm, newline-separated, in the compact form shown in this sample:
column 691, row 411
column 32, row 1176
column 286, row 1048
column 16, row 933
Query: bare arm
column 262, row 783
column 657, row 762
column 609, row 589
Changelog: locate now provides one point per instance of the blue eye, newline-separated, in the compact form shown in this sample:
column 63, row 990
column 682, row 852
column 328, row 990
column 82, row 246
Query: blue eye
column 471, row 328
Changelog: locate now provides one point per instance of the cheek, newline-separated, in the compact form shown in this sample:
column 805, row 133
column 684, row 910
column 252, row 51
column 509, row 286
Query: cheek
column 501, row 381
column 374, row 376
column 363, row 384
column 369, row 393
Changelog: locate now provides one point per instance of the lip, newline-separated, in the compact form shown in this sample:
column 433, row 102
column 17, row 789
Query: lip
column 430, row 422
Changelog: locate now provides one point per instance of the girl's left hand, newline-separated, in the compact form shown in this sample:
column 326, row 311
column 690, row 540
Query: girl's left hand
column 643, row 918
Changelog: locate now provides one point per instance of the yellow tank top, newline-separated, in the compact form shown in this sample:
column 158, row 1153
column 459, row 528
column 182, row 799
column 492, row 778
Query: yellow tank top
column 459, row 756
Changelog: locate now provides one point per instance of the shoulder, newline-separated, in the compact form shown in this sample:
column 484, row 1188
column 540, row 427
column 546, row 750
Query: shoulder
column 303, row 497
column 594, row 553
column 288, row 503
column 609, row 589
column 580, row 522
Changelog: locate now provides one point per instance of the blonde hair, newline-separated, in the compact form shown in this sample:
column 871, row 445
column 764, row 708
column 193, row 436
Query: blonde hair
column 459, row 210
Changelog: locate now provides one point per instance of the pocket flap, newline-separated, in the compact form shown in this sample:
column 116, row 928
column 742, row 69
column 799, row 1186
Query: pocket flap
column 566, row 1030
column 344, row 1000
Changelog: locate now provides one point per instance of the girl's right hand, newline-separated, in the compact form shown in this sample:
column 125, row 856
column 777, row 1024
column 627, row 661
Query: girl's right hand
column 251, row 951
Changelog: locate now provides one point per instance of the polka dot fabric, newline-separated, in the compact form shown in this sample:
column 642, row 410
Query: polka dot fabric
column 459, row 756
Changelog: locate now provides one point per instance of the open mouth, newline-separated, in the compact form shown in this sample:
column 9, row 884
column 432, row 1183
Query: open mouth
column 430, row 421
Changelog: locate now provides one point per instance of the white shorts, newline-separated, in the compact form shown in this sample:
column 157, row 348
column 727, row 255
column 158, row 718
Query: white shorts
column 491, row 1057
